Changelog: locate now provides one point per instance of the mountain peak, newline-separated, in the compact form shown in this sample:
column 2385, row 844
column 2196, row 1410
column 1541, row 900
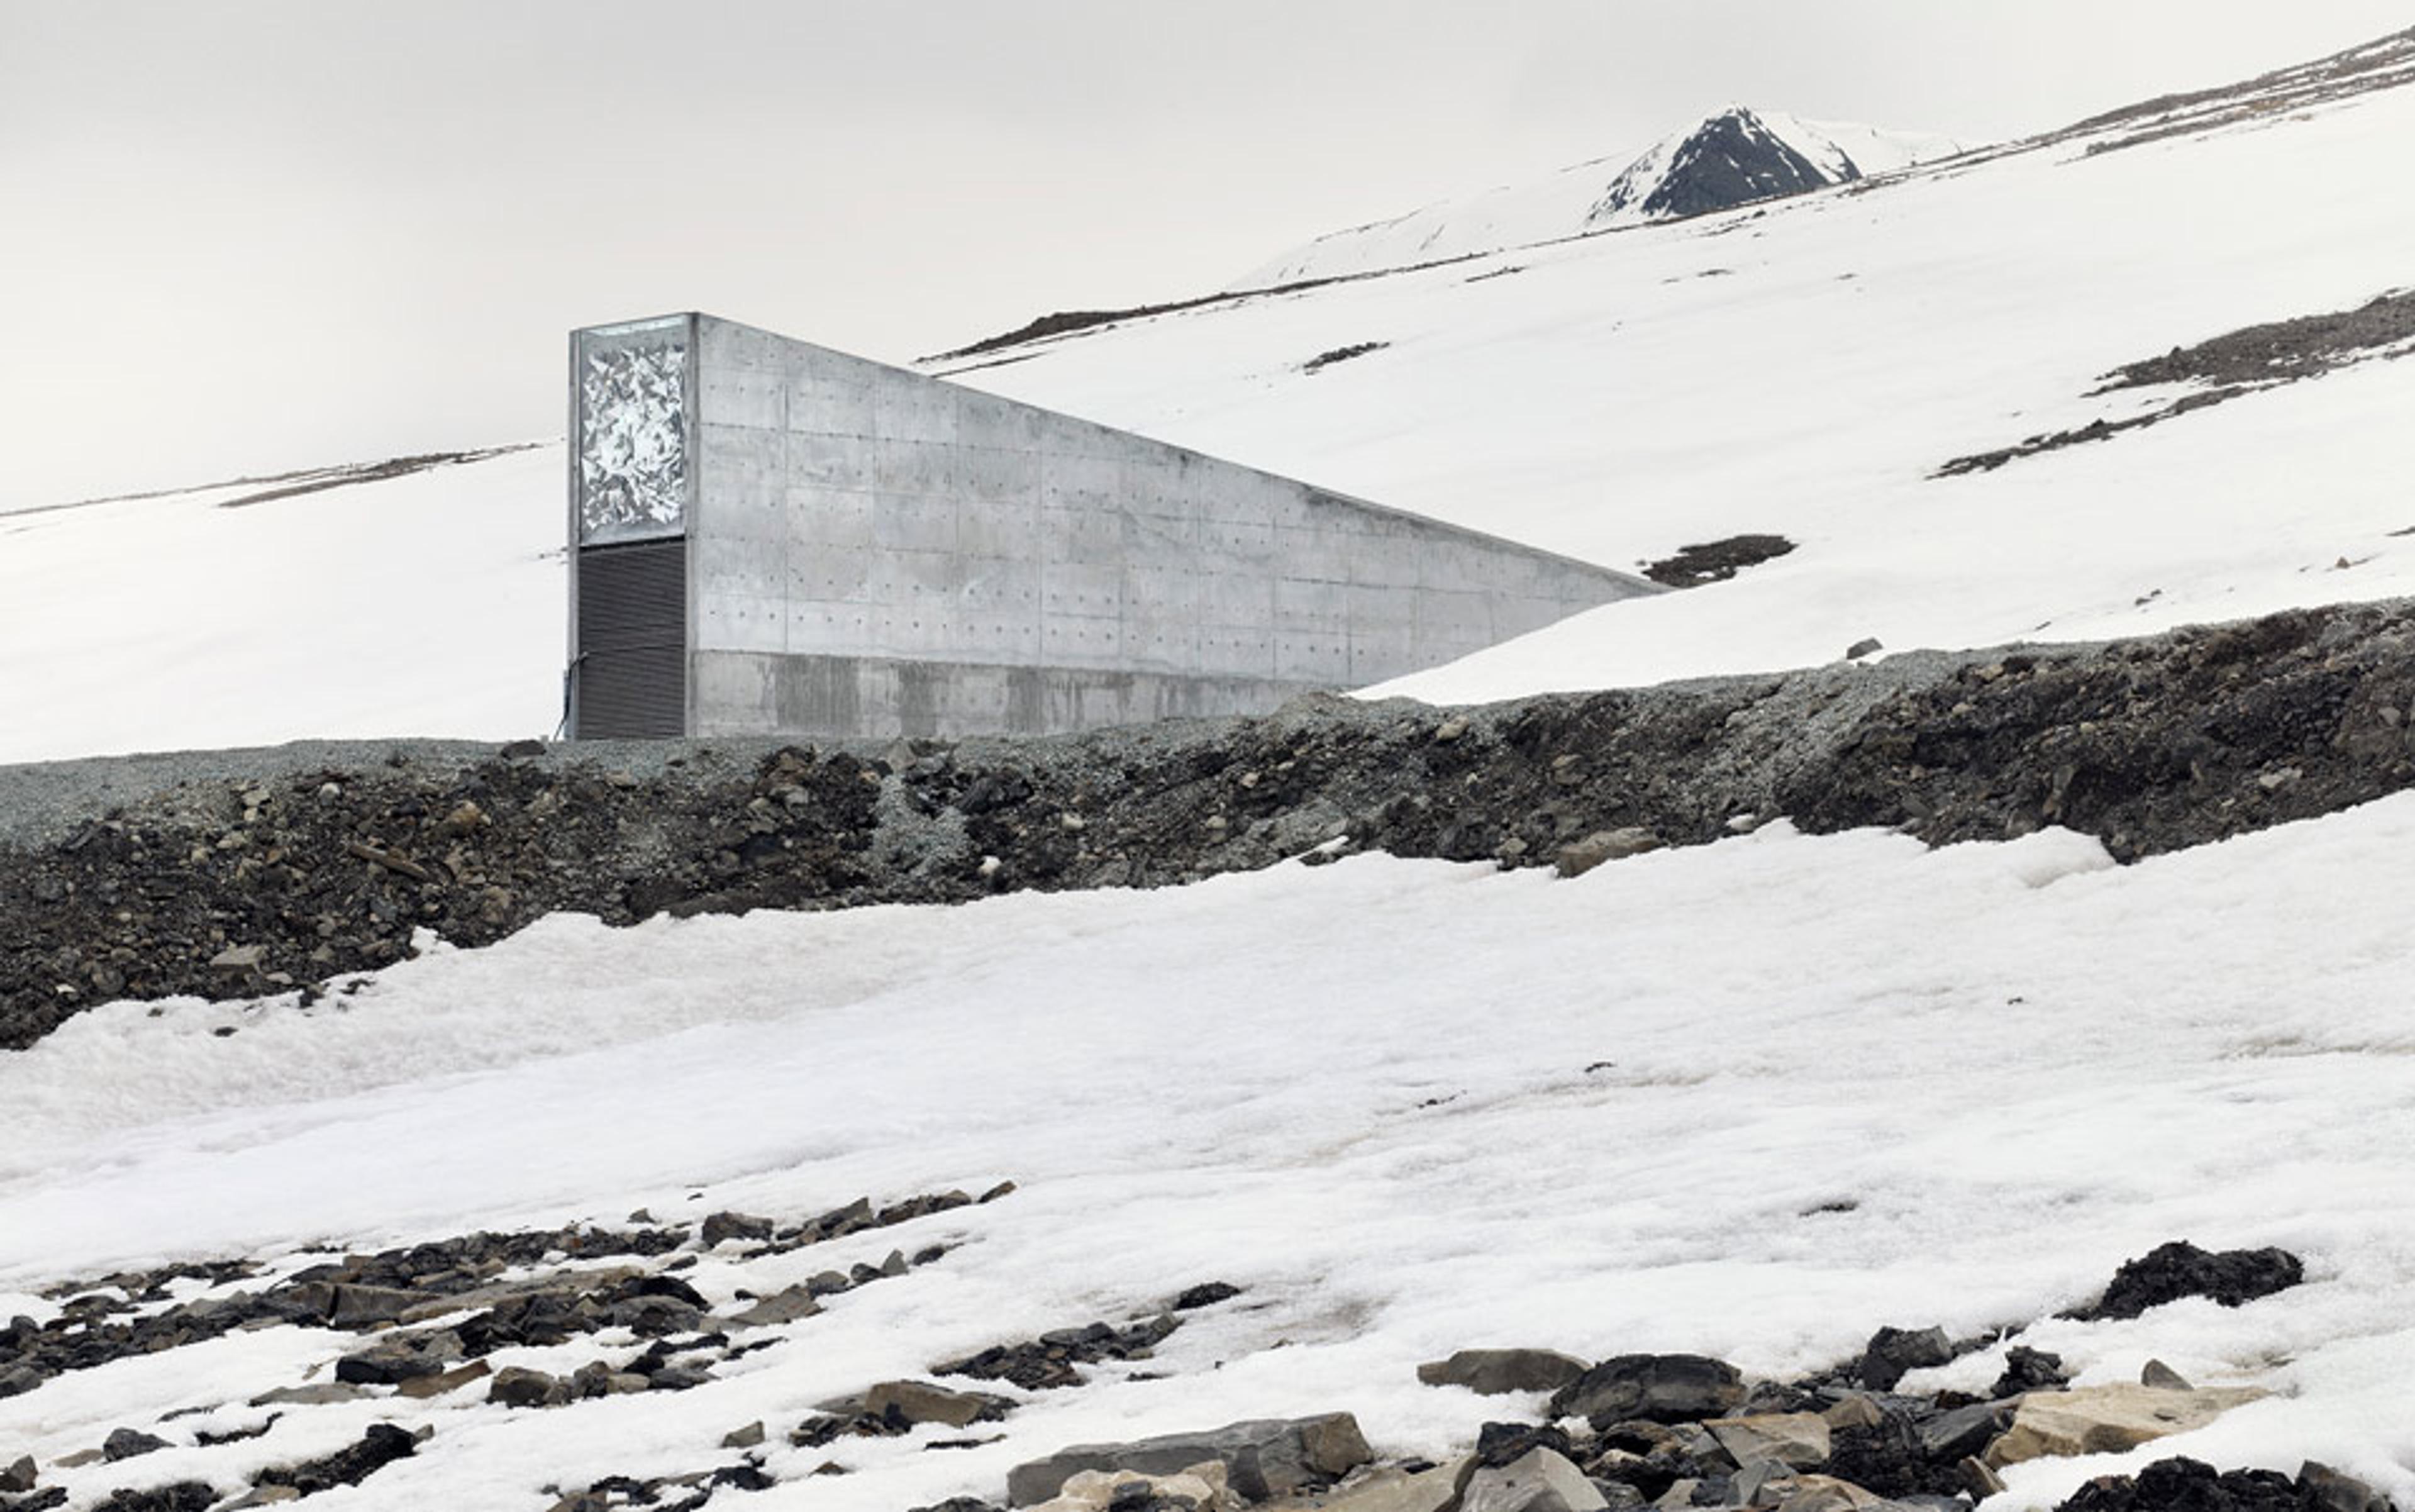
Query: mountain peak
column 1737, row 155
column 1732, row 158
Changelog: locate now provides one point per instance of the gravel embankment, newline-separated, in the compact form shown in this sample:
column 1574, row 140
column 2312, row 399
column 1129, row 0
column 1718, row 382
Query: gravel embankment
column 237, row 873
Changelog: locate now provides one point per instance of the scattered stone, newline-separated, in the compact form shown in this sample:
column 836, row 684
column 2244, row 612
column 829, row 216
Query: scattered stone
column 1979, row 1482
column 2108, row 1419
column 1893, row 1353
column 2156, row 1373
column 784, row 1306
column 722, row 1227
column 1049, row 1361
column 1205, row 1294
column 919, row 1402
column 1540, row 1481
column 381, row 1446
column 1666, row 1389
column 518, row 1386
column 453, row 1380
column 1853, row 1410
column 1798, row 1441
column 1493, row 1372
column 2321, row 1489
column 387, row 1365
column 1868, row 645
column 357, row 1307
column 20, row 1476
column 239, row 959
column 2029, row 1369
column 320, row 1394
column 2171, row 1271
column 1964, row 1430
column 743, row 1438
column 1262, row 1457
column 126, row 1443
column 1827, row 1493
column 1583, row 855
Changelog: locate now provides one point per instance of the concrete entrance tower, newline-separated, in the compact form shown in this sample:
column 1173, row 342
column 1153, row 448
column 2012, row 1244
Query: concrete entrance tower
column 769, row 537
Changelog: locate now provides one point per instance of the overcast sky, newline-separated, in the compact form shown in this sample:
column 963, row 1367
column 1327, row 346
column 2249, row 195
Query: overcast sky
column 255, row 236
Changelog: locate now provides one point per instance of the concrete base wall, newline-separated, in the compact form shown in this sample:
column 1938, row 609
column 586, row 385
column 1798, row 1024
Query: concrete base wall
column 874, row 552
column 755, row 692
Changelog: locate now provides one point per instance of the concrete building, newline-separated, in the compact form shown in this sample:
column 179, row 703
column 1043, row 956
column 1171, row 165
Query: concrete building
column 769, row 537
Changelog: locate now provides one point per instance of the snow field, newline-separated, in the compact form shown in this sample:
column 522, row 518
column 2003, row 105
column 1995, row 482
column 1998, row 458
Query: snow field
column 1804, row 366
column 433, row 602
column 1755, row 1099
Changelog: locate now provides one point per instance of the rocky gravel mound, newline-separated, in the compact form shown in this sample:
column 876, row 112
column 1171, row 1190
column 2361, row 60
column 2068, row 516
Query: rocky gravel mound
column 241, row 873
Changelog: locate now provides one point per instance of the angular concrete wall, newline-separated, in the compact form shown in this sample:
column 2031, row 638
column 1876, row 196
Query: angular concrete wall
column 872, row 552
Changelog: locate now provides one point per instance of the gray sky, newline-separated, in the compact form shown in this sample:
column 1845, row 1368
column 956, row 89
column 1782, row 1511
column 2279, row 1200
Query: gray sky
column 249, row 235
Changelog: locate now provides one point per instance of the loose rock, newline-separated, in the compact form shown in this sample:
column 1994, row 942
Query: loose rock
column 1262, row 1457
column 1492, row 1373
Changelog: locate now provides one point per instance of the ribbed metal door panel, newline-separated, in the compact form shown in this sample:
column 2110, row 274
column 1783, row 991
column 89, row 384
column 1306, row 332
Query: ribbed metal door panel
column 632, row 677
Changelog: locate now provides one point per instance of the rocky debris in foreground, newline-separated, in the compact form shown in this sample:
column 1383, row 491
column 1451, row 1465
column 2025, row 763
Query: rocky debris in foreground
column 499, row 1280
column 1667, row 1432
column 254, row 885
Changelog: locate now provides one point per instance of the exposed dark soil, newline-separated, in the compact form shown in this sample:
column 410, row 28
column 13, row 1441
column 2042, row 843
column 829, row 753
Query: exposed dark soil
column 2237, row 363
column 239, row 887
column 1326, row 359
column 1716, row 562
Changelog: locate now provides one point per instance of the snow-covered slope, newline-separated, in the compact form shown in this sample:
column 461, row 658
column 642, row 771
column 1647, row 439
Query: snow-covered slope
column 1809, row 366
column 248, row 614
column 1734, row 156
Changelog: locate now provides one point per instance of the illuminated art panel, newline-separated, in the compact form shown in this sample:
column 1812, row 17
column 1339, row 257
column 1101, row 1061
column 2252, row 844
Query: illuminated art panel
column 633, row 462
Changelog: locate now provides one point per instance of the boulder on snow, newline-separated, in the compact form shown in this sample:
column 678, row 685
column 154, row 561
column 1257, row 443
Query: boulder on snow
column 1493, row 1372
column 1893, row 1353
column 919, row 1402
column 2171, row 1271
column 2108, row 1419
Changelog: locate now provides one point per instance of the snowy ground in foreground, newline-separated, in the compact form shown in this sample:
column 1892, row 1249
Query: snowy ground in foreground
column 1410, row 1106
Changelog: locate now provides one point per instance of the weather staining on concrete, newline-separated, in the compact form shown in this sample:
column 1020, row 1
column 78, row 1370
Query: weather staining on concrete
column 1716, row 562
column 632, row 431
column 2245, row 361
